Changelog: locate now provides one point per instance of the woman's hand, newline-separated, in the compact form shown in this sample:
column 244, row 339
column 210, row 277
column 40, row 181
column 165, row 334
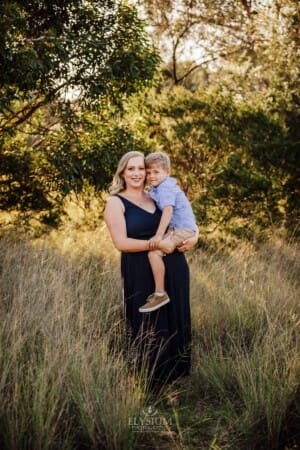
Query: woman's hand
column 188, row 244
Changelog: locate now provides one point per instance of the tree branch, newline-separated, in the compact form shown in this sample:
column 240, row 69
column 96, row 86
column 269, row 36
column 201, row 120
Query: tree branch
column 174, row 59
column 247, row 7
column 197, row 66
column 28, row 110
column 22, row 115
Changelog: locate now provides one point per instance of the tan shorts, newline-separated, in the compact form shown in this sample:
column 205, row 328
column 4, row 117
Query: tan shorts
column 174, row 237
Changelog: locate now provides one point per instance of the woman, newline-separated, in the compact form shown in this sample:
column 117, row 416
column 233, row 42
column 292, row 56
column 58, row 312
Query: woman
column 132, row 218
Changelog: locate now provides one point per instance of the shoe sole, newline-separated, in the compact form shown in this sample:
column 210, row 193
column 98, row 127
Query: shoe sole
column 154, row 308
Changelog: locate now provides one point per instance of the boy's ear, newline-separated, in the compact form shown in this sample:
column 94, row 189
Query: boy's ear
column 169, row 171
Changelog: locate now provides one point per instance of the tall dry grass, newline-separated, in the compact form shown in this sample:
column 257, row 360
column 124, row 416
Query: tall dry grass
column 246, row 333
column 65, row 377
column 67, row 380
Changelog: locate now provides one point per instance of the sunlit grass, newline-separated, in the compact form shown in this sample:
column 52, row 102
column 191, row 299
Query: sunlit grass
column 64, row 368
column 68, row 380
column 246, row 333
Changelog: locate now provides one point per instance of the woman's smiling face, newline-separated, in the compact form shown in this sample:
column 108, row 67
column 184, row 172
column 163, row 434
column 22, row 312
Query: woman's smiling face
column 135, row 173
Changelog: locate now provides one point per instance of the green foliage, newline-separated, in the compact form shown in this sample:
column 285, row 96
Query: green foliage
column 230, row 124
column 52, row 49
column 236, row 162
column 59, row 60
column 20, row 185
column 83, row 151
column 88, row 152
column 240, row 152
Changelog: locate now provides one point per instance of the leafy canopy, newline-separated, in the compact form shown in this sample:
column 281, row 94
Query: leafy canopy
column 51, row 49
column 59, row 60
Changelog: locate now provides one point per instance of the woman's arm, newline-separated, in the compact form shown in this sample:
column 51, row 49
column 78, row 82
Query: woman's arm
column 188, row 244
column 115, row 221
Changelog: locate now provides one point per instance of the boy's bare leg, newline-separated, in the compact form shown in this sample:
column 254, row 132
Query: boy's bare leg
column 159, row 298
column 158, row 270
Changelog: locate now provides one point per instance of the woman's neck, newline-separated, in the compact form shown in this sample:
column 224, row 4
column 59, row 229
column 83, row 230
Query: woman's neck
column 134, row 193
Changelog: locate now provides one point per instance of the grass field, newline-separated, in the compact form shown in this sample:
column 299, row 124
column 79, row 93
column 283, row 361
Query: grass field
column 66, row 381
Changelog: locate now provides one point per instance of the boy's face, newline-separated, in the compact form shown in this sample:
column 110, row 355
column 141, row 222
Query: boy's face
column 156, row 174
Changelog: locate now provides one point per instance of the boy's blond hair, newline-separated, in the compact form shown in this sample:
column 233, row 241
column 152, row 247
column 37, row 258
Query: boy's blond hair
column 158, row 158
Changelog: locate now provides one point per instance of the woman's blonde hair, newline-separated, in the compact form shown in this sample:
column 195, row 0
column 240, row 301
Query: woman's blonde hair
column 118, row 183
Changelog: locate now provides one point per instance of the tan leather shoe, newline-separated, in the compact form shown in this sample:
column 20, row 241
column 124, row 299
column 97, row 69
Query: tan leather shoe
column 154, row 302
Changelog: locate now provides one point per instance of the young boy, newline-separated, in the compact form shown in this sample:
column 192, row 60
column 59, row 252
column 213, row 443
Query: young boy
column 177, row 217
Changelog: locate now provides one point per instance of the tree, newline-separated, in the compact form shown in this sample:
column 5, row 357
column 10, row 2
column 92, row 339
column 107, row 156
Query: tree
column 59, row 59
column 51, row 49
column 249, row 52
column 199, row 32
column 232, row 160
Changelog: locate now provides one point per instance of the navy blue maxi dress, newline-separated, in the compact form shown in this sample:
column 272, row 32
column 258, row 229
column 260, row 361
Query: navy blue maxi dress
column 165, row 334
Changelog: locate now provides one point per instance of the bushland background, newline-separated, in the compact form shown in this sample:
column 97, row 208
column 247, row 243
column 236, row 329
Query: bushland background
column 216, row 85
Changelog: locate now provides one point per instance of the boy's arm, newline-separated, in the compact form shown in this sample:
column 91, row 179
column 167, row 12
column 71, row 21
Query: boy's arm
column 162, row 227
